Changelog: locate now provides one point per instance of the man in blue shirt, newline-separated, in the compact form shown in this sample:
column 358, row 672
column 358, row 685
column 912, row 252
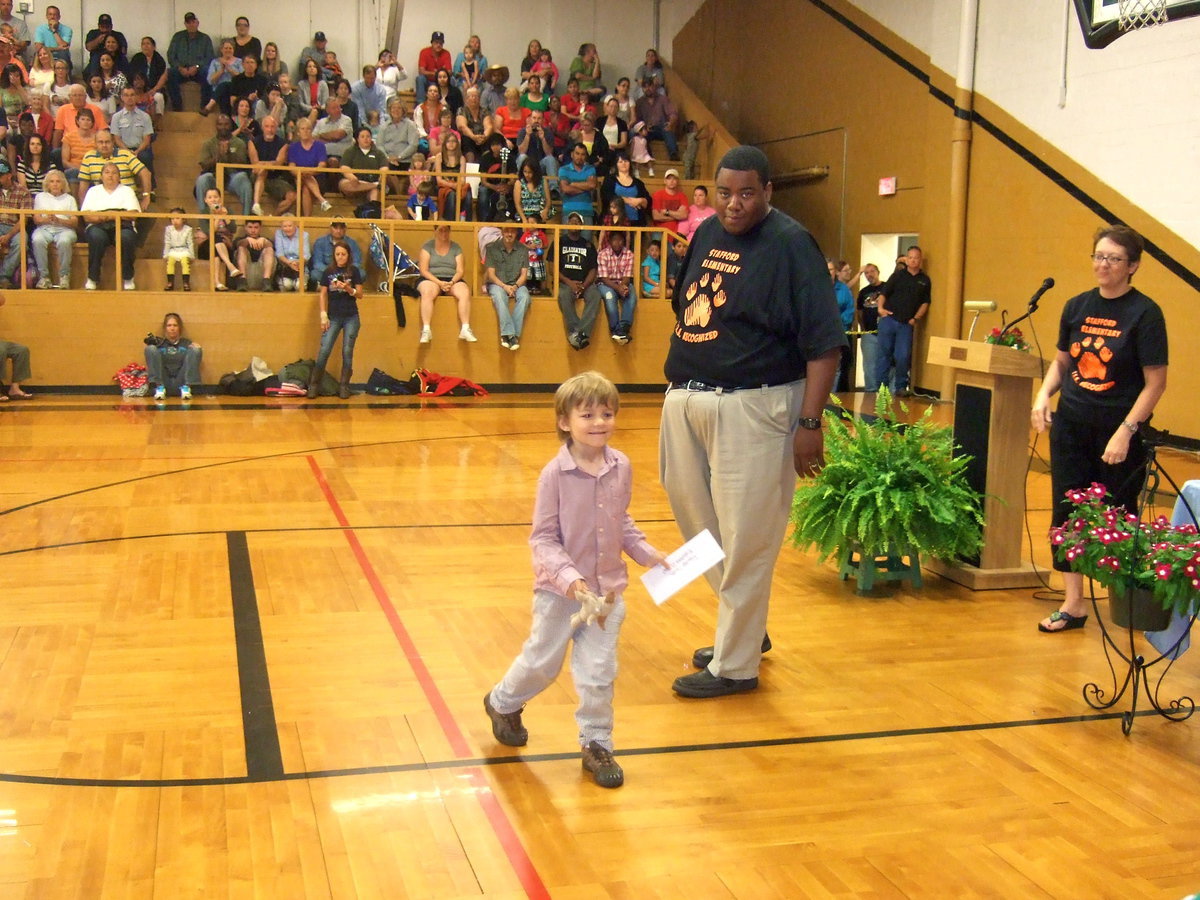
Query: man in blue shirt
column 55, row 35
column 576, row 182
column 369, row 94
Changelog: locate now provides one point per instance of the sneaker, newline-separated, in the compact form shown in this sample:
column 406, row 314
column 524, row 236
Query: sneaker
column 185, row 392
column 89, row 285
column 704, row 684
column 160, row 393
column 599, row 761
column 242, row 287
column 615, row 337
column 43, row 283
column 64, row 281
column 129, row 285
column 466, row 334
column 326, row 206
column 584, row 340
column 514, row 343
column 573, row 339
column 169, row 286
column 426, row 334
column 256, row 209
column 267, row 287
column 505, row 342
column 702, row 657
column 506, row 727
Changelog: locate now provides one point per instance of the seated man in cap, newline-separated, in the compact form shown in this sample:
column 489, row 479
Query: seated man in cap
column 94, row 43
column 432, row 58
column 322, row 251
column 577, row 283
column 188, row 56
column 315, row 52
column 669, row 206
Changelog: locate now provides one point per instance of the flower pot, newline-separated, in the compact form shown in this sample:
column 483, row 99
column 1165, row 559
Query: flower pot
column 1137, row 607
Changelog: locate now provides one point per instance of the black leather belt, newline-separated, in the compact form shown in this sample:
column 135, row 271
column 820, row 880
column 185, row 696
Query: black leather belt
column 694, row 385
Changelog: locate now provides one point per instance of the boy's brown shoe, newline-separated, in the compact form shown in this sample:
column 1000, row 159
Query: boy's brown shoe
column 506, row 727
column 599, row 761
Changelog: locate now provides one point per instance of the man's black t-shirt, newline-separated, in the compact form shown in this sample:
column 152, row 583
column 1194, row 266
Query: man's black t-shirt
column 576, row 256
column 244, row 85
column 268, row 151
column 906, row 293
column 867, row 302
column 1109, row 341
column 753, row 308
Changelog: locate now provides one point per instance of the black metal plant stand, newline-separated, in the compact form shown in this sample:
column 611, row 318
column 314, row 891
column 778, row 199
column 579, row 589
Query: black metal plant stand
column 1137, row 676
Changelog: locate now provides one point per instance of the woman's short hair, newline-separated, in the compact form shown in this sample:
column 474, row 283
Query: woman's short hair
column 584, row 389
column 1125, row 237
column 169, row 316
column 55, row 175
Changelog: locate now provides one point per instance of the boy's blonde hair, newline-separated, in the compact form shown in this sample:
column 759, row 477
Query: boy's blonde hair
column 584, row 389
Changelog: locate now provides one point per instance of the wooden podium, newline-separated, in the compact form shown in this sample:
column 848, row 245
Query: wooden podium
column 993, row 390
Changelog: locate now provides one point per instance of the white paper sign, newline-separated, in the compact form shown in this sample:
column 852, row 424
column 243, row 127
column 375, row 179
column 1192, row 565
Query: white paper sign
column 688, row 563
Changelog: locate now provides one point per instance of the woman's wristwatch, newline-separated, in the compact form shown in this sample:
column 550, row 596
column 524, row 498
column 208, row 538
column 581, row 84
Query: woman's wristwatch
column 1132, row 426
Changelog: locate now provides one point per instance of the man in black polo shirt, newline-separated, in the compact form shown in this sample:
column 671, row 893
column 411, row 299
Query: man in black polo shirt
column 249, row 83
column 576, row 282
column 751, row 363
column 903, row 302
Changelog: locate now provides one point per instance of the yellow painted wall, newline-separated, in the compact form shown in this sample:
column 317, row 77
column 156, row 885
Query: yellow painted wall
column 792, row 78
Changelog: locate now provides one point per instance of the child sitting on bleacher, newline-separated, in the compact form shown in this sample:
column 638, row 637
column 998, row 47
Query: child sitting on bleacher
column 422, row 206
column 179, row 246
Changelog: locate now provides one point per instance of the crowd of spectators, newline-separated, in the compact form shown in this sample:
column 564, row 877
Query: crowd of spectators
column 79, row 153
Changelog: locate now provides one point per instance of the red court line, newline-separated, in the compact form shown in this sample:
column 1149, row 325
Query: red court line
column 501, row 826
column 454, row 735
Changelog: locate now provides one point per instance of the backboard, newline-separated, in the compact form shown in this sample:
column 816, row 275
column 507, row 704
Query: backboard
column 1099, row 18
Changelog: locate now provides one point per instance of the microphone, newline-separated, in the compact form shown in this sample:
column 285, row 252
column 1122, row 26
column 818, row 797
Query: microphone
column 1046, row 285
column 1033, row 305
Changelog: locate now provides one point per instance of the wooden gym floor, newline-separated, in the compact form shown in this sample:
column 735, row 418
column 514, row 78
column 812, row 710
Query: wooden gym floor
column 243, row 647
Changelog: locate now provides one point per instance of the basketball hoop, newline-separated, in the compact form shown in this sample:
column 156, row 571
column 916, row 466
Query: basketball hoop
column 1134, row 14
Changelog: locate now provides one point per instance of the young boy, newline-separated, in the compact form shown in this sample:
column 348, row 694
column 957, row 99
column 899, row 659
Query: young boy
column 614, row 266
column 651, row 270
column 422, row 206
column 577, row 545
column 179, row 246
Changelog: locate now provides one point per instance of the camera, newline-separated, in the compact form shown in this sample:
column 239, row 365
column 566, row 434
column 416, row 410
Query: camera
column 153, row 340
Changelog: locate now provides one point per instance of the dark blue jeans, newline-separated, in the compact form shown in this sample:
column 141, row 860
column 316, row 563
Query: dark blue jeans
column 895, row 349
column 350, row 326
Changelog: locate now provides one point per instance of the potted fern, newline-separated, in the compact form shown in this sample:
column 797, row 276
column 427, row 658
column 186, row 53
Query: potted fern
column 888, row 491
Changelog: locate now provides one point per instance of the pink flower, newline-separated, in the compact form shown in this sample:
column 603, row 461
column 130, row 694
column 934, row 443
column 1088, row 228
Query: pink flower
column 1163, row 571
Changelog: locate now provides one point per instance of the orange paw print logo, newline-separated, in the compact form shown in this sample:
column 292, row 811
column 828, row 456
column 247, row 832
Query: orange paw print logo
column 704, row 280
column 691, row 291
column 716, row 283
column 1093, row 357
column 699, row 312
column 719, row 297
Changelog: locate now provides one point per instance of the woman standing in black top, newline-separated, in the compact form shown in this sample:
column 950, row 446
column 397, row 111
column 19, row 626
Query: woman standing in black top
column 1111, row 367
column 341, row 288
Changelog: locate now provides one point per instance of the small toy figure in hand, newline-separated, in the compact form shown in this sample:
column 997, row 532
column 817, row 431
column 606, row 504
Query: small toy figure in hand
column 579, row 575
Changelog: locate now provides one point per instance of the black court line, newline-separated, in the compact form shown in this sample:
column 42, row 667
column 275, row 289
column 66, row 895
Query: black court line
column 1169, row 262
column 284, row 529
column 518, row 759
column 264, row 758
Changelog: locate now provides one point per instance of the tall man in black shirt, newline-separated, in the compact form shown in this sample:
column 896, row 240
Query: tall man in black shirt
column 903, row 302
column 751, row 363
